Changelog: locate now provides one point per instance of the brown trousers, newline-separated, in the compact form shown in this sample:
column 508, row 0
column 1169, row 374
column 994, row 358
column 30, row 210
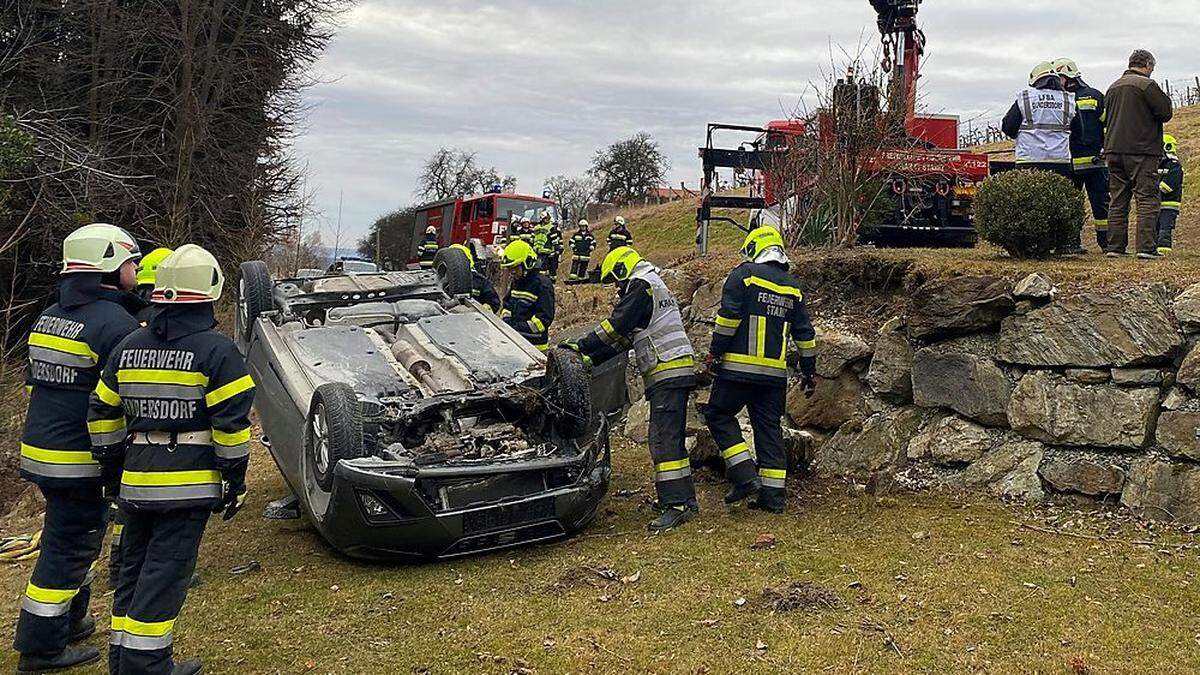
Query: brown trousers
column 1132, row 177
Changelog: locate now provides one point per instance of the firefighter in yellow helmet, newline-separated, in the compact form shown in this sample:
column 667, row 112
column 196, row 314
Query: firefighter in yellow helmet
column 147, row 270
column 529, row 304
column 762, row 310
column 1170, row 170
column 69, row 345
column 178, row 390
column 646, row 318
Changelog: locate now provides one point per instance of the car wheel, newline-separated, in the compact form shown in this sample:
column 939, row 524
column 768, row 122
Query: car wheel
column 334, row 431
column 569, row 391
column 453, row 271
column 254, row 295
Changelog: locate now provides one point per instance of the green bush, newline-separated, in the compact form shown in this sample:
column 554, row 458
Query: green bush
column 1029, row 214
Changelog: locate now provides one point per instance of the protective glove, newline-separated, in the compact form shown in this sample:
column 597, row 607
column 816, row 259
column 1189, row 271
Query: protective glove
column 808, row 385
column 234, row 499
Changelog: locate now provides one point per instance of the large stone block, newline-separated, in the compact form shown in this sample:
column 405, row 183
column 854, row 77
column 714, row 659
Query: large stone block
column 951, row 441
column 1052, row 409
column 865, row 447
column 1178, row 433
column 1187, row 309
column 1008, row 471
column 833, row 403
column 1163, row 490
column 1086, row 473
column 971, row 385
column 1189, row 370
column 1130, row 327
column 958, row 306
column 836, row 350
column 890, row 373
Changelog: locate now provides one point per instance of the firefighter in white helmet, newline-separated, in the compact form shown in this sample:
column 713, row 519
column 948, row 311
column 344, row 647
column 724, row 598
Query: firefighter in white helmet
column 179, row 390
column 619, row 235
column 428, row 247
column 583, row 243
column 1089, row 172
column 69, row 345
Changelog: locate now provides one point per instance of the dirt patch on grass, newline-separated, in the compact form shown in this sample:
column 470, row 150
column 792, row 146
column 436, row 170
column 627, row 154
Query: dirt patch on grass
column 588, row 576
column 799, row 596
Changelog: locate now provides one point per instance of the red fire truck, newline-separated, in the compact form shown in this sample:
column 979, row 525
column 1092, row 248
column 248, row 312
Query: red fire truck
column 477, row 221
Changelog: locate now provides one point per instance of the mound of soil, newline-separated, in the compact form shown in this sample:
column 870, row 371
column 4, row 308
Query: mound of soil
column 800, row 595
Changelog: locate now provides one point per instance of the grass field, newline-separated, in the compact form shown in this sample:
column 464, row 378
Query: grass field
column 888, row 585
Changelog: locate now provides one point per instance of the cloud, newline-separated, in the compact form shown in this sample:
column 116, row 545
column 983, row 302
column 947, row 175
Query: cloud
column 536, row 86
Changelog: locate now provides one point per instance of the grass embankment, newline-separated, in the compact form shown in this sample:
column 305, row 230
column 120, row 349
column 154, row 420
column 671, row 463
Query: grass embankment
column 908, row 584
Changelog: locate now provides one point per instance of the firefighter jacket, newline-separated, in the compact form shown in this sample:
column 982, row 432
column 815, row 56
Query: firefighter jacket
column 619, row 236
column 554, row 243
column 1040, row 120
column 483, row 291
column 427, row 250
column 761, row 307
column 181, row 391
column 1171, row 183
column 1087, row 129
column 529, row 308
column 646, row 318
column 68, row 346
column 582, row 245
column 541, row 238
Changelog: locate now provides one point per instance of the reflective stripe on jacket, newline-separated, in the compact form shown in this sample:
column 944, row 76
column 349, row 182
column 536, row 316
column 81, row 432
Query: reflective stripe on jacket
column 1171, row 183
column 1087, row 129
column 582, row 246
column 1045, row 131
column 761, row 308
column 529, row 308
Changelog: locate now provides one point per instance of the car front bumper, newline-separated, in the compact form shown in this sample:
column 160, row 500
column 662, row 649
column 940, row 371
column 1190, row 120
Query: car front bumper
column 378, row 510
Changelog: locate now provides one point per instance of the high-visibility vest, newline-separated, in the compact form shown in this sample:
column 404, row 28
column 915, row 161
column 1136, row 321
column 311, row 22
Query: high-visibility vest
column 661, row 349
column 1045, row 132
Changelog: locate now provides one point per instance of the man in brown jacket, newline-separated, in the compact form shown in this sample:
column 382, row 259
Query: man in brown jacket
column 1135, row 109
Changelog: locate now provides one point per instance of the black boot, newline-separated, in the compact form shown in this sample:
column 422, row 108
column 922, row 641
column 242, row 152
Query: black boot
column 770, row 504
column 739, row 492
column 672, row 517
column 189, row 667
column 72, row 656
column 82, row 630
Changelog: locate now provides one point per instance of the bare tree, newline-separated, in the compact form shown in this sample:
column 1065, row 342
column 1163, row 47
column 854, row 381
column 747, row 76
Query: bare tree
column 450, row 172
column 574, row 194
column 629, row 170
column 393, row 232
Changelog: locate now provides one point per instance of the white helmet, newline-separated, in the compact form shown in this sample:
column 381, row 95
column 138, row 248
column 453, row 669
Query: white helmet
column 98, row 247
column 431, row 230
column 1039, row 71
column 189, row 275
column 620, row 220
column 1066, row 67
column 583, row 222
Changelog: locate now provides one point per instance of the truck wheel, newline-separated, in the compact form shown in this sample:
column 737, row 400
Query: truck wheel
column 254, row 295
column 453, row 271
column 569, row 390
column 334, row 431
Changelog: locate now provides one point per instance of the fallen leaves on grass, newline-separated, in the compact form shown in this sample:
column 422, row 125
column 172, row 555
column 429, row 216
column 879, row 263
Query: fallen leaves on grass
column 800, row 595
column 764, row 541
column 591, row 576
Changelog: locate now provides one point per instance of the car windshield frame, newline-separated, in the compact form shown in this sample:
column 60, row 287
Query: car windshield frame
column 359, row 267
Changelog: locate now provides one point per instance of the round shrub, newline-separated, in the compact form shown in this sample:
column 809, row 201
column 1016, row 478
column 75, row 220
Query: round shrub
column 1029, row 214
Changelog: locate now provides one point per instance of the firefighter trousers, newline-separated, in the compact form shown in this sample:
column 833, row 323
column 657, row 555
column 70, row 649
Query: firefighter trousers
column 668, row 428
column 579, row 269
column 59, row 590
column 1166, row 228
column 114, row 548
column 1094, row 181
column 158, row 556
column 765, row 405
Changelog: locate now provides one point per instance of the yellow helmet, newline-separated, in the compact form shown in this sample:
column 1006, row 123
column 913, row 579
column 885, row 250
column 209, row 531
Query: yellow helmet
column 148, row 265
column 467, row 252
column 760, row 239
column 618, row 264
column 1170, row 145
column 98, row 247
column 189, row 275
column 1065, row 67
column 520, row 253
column 1040, row 70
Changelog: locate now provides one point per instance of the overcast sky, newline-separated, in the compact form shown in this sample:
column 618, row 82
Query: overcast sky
column 536, row 86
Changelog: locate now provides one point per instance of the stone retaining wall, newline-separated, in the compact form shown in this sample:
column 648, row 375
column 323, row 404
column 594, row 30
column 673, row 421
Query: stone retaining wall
column 1013, row 389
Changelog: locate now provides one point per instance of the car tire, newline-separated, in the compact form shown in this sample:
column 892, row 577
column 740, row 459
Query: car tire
column 254, row 295
column 453, row 271
column 334, row 431
column 570, row 393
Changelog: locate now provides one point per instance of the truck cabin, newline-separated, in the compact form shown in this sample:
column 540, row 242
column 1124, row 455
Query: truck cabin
column 484, row 218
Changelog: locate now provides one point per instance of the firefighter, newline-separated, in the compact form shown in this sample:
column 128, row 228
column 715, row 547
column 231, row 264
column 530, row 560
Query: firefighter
column 68, row 346
column 1089, row 172
column 526, row 231
column 482, row 289
column 1040, row 121
column 1171, row 186
column 541, row 243
column 428, row 247
column 761, row 308
column 647, row 319
column 181, row 391
column 619, row 235
column 554, row 249
column 582, row 245
column 529, row 305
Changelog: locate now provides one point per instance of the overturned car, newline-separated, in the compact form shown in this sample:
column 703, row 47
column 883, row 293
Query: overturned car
column 409, row 421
